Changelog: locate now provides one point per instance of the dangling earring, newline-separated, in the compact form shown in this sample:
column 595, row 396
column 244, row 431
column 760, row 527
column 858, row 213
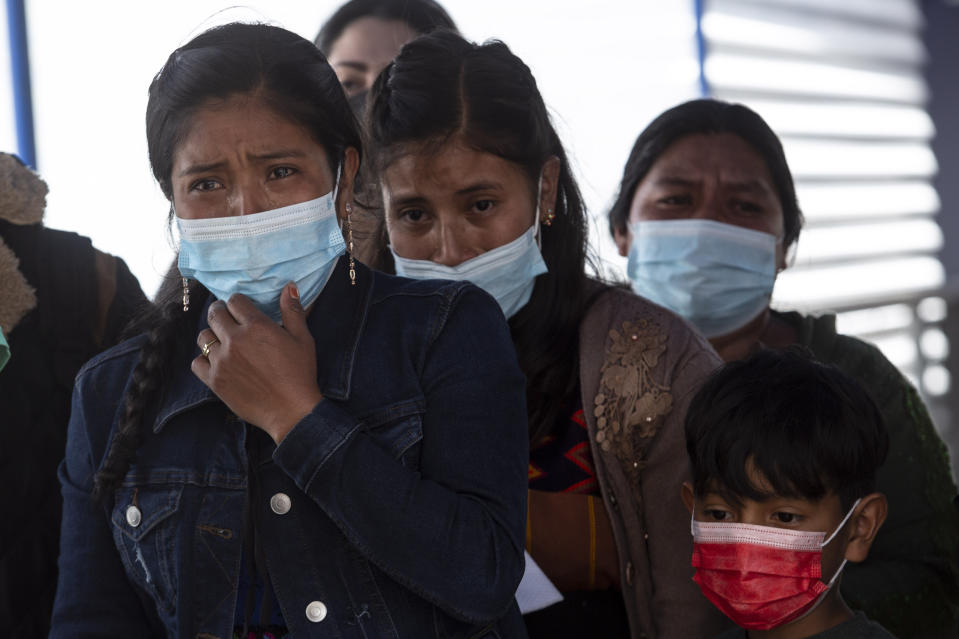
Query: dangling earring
column 186, row 295
column 349, row 238
column 550, row 216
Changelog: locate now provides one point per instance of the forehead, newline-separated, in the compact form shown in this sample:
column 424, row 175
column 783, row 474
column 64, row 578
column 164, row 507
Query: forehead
column 434, row 170
column 725, row 155
column 371, row 40
column 240, row 123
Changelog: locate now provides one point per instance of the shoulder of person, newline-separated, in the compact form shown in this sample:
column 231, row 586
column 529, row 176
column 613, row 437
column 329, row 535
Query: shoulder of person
column 386, row 286
column 437, row 299
column 859, row 627
column 855, row 357
column 119, row 359
column 620, row 321
column 614, row 305
column 638, row 361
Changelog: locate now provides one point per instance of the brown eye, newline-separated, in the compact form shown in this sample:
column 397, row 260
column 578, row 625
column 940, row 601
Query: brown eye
column 718, row 515
column 281, row 172
column 204, row 185
column 675, row 200
column 483, row 205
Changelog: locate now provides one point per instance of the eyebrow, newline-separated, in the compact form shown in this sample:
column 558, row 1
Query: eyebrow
column 406, row 200
column 194, row 169
column 482, row 186
column 352, row 64
column 749, row 186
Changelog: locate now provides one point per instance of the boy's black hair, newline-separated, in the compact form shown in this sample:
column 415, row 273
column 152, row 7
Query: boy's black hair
column 808, row 428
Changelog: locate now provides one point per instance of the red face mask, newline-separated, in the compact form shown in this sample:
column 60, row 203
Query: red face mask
column 761, row 577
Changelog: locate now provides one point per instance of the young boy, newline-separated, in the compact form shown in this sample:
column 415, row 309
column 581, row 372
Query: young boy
column 784, row 453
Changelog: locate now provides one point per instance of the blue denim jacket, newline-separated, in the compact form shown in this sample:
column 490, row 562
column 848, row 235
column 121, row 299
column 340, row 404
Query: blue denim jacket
column 397, row 508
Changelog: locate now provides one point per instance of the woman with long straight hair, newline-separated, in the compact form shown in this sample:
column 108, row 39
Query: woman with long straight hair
column 476, row 186
column 296, row 445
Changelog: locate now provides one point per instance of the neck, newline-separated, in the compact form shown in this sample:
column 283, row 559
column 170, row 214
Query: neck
column 829, row 614
column 743, row 341
column 763, row 330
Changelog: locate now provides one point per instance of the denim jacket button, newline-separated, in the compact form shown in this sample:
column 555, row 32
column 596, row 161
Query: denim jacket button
column 133, row 516
column 316, row 611
column 280, row 504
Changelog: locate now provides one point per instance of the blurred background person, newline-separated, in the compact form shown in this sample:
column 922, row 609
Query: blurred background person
column 359, row 40
column 707, row 214
column 61, row 302
column 363, row 36
column 477, row 186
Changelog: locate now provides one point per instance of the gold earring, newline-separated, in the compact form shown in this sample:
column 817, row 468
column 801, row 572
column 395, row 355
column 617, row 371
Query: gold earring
column 186, row 295
column 349, row 233
column 550, row 216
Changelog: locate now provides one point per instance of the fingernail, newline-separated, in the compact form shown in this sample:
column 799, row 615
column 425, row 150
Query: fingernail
column 295, row 292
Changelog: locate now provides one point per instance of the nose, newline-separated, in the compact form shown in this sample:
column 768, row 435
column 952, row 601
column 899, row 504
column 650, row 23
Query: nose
column 452, row 247
column 710, row 204
column 249, row 197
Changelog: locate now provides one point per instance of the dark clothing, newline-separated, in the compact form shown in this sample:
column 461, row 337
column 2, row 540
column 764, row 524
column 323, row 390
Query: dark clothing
column 584, row 613
column 910, row 581
column 49, row 345
column 859, row 627
column 563, row 462
column 396, row 508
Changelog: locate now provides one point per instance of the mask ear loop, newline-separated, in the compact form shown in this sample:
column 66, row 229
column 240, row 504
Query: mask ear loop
column 539, row 198
column 835, row 576
column 841, row 524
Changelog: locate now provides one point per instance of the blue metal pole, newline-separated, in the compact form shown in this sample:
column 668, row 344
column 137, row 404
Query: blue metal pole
column 701, row 48
column 22, row 95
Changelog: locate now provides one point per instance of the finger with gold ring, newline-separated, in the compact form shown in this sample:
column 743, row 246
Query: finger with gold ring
column 205, row 349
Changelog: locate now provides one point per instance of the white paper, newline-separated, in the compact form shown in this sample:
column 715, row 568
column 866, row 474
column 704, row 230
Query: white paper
column 535, row 590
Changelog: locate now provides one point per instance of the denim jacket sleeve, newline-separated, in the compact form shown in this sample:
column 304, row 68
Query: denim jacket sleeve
column 453, row 530
column 94, row 597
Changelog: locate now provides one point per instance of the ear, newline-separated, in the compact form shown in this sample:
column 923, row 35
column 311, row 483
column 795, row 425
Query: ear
column 549, row 189
column 689, row 499
column 344, row 193
column 784, row 256
column 865, row 523
column 624, row 241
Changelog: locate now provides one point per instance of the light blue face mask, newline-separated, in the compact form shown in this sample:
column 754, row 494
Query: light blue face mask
column 4, row 350
column 507, row 272
column 257, row 255
column 717, row 276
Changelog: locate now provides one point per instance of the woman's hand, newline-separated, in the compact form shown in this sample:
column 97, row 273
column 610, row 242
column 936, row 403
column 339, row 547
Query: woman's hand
column 264, row 372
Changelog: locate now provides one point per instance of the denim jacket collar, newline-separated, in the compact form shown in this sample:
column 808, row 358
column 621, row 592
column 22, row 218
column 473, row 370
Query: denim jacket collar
column 336, row 322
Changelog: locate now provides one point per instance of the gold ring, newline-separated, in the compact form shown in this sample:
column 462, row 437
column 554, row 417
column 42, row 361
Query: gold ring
column 205, row 349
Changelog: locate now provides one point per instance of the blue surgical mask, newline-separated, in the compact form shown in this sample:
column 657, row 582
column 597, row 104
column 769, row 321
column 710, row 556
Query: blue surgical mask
column 507, row 272
column 4, row 350
column 717, row 276
column 257, row 255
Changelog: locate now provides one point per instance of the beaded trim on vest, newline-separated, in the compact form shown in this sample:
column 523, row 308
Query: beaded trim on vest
column 631, row 405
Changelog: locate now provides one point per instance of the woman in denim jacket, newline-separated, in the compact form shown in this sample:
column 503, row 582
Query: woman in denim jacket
column 360, row 470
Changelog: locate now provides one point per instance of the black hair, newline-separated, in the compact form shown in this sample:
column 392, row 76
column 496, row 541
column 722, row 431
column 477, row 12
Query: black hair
column 422, row 16
column 708, row 116
column 807, row 428
column 442, row 87
column 265, row 62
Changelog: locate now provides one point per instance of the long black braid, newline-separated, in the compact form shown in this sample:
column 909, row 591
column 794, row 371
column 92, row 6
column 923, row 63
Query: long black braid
column 170, row 339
